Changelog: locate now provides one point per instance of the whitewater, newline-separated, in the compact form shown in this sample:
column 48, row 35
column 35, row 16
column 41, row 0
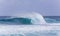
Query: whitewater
column 39, row 26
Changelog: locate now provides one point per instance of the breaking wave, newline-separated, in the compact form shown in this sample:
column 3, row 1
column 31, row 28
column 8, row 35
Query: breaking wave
column 23, row 18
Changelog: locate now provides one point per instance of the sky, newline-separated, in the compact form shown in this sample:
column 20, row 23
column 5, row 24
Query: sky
column 44, row 7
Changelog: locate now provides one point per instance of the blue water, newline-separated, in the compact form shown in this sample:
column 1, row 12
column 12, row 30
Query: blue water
column 48, row 19
column 9, row 20
column 52, row 19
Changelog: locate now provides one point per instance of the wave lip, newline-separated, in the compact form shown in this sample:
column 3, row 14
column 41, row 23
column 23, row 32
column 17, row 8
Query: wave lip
column 28, row 17
column 35, row 17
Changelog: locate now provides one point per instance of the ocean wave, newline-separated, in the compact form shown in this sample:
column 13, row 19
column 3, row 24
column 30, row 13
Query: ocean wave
column 23, row 18
column 16, row 21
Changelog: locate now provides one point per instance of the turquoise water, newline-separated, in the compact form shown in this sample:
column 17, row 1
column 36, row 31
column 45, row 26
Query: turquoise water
column 25, row 21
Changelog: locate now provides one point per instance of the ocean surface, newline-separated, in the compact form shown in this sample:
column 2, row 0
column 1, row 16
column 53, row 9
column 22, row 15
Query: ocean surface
column 34, row 30
column 52, row 19
column 9, row 19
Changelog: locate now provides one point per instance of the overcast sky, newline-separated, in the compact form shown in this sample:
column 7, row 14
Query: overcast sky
column 44, row 7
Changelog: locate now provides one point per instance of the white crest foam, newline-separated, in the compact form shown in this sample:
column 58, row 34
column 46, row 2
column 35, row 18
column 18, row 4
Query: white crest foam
column 36, row 17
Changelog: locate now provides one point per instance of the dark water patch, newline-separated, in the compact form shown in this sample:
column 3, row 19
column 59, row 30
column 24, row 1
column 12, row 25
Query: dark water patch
column 24, row 21
column 52, row 19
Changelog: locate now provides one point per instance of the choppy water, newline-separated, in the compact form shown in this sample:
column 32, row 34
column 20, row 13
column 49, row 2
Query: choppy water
column 52, row 19
column 48, row 31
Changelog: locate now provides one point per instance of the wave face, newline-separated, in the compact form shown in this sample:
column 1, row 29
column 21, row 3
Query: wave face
column 15, row 21
column 28, row 20
column 23, row 18
column 26, row 30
